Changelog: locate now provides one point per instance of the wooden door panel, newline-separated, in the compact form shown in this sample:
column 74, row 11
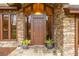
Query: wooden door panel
column 0, row 27
column 1, row 33
column 38, row 29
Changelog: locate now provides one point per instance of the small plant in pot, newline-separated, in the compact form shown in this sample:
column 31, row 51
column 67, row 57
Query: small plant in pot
column 25, row 43
column 49, row 43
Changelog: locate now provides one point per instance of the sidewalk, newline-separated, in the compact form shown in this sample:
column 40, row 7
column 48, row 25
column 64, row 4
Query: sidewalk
column 33, row 51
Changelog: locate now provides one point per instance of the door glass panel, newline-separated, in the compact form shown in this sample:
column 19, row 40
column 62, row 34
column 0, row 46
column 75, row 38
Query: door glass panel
column 13, row 26
column 5, row 26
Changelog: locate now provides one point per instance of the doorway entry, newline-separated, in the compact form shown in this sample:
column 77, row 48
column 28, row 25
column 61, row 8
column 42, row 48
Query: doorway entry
column 38, row 29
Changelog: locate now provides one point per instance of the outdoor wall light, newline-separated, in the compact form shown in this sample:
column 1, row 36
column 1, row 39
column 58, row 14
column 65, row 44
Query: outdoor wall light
column 38, row 13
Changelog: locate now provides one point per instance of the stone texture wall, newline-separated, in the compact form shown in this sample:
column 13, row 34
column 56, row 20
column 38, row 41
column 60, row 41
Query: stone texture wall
column 8, row 44
column 69, row 35
column 58, row 27
column 20, row 26
column 64, row 31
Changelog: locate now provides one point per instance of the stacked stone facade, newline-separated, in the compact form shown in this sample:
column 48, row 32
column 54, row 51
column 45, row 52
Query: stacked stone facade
column 8, row 43
column 64, row 31
column 20, row 27
column 69, row 35
column 58, row 26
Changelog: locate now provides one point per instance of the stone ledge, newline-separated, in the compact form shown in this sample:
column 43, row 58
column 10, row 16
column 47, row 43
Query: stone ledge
column 8, row 43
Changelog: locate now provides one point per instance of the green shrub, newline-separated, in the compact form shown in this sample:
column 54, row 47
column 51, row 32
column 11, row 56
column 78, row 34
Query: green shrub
column 49, row 41
column 25, row 42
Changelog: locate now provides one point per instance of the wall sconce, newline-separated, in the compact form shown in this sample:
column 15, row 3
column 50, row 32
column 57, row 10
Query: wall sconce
column 38, row 13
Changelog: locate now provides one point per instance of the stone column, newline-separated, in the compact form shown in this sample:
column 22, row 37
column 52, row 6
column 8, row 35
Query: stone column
column 20, row 26
column 69, row 35
column 58, row 27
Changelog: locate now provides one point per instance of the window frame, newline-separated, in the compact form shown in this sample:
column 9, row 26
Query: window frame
column 9, row 28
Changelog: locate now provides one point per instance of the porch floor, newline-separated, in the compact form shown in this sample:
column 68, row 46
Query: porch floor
column 4, row 51
column 33, row 51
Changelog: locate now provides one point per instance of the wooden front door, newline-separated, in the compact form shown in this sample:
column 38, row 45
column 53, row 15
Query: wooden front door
column 38, row 29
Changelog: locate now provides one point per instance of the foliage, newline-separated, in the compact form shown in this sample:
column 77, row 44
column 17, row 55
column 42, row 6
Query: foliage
column 25, row 42
column 49, row 41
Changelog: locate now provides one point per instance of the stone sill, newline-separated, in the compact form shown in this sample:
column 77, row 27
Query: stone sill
column 8, row 43
column 8, row 40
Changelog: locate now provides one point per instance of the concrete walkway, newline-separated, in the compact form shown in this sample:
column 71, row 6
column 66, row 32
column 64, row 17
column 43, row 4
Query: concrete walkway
column 33, row 51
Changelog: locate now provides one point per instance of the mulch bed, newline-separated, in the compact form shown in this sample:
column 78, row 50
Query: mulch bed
column 4, row 51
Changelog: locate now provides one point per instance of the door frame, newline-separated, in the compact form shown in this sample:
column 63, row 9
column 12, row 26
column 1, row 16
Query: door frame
column 76, row 36
column 9, row 28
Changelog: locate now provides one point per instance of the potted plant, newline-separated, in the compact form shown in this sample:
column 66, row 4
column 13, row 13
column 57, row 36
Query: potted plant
column 49, row 43
column 25, row 43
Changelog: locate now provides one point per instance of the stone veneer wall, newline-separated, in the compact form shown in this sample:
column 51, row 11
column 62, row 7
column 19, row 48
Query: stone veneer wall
column 58, row 27
column 20, row 26
column 8, row 43
column 64, row 30
column 69, row 35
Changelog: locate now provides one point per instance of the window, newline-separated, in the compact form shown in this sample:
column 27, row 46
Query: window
column 13, row 26
column 5, row 26
column 8, row 27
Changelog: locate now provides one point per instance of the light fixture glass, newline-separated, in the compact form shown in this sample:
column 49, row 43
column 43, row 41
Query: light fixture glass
column 37, row 13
